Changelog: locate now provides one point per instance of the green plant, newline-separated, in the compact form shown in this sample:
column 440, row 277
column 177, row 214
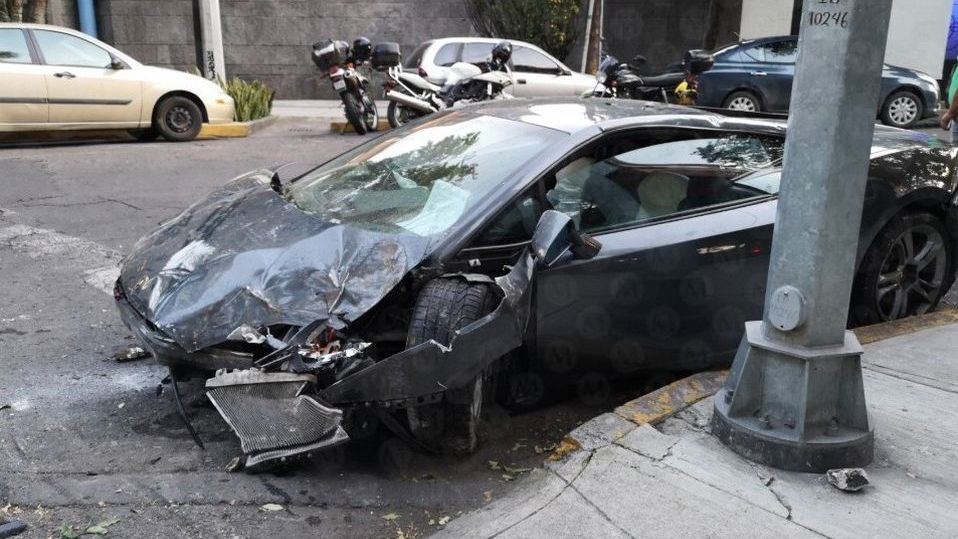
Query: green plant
column 550, row 24
column 253, row 98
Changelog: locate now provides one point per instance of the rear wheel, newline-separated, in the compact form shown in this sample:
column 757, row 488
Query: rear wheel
column 398, row 114
column 902, row 109
column 904, row 272
column 370, row 114
column 445, row 306
column 745, row 101
column 178, row 119
column 354, row 112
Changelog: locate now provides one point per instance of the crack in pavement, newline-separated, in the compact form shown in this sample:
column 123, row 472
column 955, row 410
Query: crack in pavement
column 75, row 204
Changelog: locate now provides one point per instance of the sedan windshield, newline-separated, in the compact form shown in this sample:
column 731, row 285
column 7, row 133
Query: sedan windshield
column 422, row 179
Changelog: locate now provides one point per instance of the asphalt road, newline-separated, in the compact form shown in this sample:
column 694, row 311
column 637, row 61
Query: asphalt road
column 84, row 439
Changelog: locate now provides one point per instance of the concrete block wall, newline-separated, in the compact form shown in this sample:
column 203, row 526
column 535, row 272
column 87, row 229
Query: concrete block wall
column 155, row 33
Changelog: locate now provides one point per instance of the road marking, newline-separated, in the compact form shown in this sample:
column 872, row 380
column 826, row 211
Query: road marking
column 99, row 265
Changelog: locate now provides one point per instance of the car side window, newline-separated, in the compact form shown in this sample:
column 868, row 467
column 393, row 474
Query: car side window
column 746, row 55
column 446, row 55
column 13, row 47
column 633, row 179
column 526, row 60
column 780, row 52
column 66, row 50
column 476, row 52
column 514, row 224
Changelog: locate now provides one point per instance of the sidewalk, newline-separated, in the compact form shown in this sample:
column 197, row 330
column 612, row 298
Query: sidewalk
column 331, row 109
column 651, row 470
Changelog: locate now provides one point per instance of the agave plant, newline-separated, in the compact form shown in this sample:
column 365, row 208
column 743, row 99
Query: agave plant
column 253, row 98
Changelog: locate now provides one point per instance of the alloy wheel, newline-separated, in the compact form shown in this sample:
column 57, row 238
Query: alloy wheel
column 903, row 110
column 742, row 103
column 912, row 273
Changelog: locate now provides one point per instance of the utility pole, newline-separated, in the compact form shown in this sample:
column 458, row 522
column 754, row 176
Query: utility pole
column 211, row 28
column 794, row 399
column 593, row 47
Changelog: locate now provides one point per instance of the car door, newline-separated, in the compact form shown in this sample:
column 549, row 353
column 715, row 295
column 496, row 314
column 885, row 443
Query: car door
column 23, row 90
column 776, row 73
column 537, row 75
column 684, row 258
column 83, row 89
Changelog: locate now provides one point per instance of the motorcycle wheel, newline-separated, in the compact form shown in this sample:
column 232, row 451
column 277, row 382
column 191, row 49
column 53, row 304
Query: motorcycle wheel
column 398, row 114
column 370, row 114
column 353, row 112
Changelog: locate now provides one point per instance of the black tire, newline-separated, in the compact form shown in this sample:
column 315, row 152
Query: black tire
column 902, row 109
column 144, row 135
column 398, row 114
column 743, row 100
column 905, row 272
column 354, row 112
column 445, row 306
column 178, row 119
column 370, row 114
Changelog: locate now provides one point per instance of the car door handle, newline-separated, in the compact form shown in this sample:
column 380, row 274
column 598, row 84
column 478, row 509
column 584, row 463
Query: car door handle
column 759, row 74
column 521, row 81
column 64, row 75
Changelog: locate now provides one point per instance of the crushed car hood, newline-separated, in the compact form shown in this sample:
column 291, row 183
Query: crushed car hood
column 246, row 256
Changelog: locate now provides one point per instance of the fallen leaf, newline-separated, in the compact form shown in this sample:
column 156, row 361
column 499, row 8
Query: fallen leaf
column 515, row 471
column 508, row 477
column 271, row 507
column 494, row 465
column 537, row 449
column 389, row 517
column 236, row 464
column 444, row 520
column 487, row 496
column 101, row 528
column 69, row 532
column 517, row 446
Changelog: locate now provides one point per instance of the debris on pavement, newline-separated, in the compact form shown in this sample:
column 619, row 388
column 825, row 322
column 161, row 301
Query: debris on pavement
column 270, row 507
column 12, row 527
column 236, row 464
column 444, row 520
column 5, row 406
column 848, row 479
column 389, row 517
column 69, row 531
column 130, row 353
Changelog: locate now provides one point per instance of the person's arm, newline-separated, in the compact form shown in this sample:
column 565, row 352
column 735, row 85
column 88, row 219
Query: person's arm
column 951, row 114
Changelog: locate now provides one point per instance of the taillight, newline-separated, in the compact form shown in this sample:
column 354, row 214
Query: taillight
column 422, row 73
column 334, row 71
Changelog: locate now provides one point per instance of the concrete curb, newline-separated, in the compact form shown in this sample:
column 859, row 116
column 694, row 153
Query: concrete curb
column 342, row 126
column 234, row 129
column 896, row 328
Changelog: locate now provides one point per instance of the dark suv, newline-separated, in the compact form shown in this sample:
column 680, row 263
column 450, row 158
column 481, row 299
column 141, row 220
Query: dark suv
column 756, row 75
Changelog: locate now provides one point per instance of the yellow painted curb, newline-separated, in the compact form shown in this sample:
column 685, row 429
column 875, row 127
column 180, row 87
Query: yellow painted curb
column 345, row 127
column 897, row 328
column 667, row 401
column 228, row 130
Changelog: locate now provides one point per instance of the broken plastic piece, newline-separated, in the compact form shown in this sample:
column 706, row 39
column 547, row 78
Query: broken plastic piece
column 848, row 479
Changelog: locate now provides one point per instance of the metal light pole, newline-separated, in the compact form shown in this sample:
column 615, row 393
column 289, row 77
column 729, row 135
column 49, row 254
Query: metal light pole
column 211, row 27
column 794, row 399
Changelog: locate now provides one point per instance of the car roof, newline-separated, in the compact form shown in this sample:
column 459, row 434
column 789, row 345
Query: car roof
column 574, row 115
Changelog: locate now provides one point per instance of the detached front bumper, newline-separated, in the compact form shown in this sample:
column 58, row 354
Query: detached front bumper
column 166, row 351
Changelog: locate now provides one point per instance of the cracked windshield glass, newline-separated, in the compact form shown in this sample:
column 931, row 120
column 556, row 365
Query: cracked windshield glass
column 420, row 180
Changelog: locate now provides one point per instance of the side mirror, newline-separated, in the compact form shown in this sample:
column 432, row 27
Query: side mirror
column 116, row 63
column 556, row 235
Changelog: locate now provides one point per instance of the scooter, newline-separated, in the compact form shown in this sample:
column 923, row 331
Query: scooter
column 412, row 96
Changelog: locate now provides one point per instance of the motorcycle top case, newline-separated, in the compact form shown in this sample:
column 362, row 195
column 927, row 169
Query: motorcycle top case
column 385, row 55
column 698, row 61
column 328, row 53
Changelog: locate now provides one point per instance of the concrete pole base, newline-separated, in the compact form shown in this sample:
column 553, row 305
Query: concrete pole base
column 795, row 408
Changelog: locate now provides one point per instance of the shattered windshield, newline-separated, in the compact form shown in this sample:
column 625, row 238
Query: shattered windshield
column 421, row 179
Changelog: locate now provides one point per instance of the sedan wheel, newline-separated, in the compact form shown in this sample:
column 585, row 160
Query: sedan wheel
column 905, row 272
column 902, row 109
column 744, row 101
column 178, row 119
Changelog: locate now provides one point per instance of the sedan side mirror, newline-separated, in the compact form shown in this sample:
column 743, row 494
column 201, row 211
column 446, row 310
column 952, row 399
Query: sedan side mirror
column 556, row 235
column 116, row 63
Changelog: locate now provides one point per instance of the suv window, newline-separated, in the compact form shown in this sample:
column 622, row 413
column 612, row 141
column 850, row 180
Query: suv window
column 529, row 61
column 66, row 50
column 780, row 52
column 476, row 52
column 628, row 181
column 13, row 47
column 446, row 55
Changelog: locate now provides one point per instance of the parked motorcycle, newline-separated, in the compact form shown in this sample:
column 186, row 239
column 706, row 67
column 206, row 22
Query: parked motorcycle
column 411, row 95
column 620, row 79
column 339, row 60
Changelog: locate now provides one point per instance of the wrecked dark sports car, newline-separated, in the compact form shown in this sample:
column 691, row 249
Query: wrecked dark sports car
column 494, row 249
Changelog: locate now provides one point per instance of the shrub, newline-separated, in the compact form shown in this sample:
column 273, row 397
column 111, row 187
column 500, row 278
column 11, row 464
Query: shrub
column 550, row 24
column 253, row 99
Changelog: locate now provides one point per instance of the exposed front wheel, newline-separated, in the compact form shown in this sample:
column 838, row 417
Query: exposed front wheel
column 178, row 119
column 744, row 101
column 445, row 306
column 354, row 112
column 905, row 272
column 370, row 114
column 902, row 109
